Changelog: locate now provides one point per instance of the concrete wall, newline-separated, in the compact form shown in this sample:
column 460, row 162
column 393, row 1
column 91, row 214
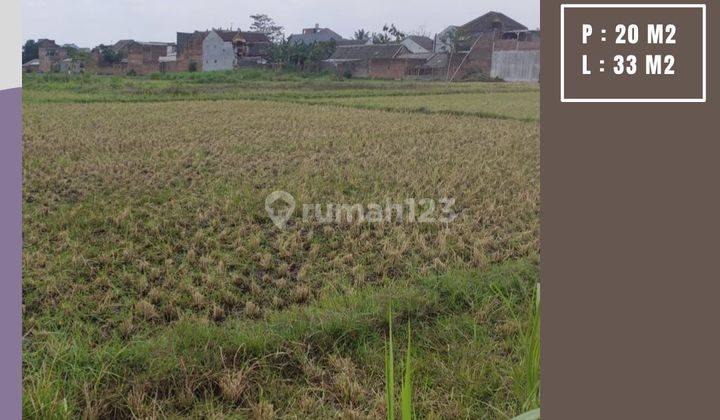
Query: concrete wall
column 191, row 52
column 217, row 54
column 387, row 68
column 516, row 66
column 478, row 60
column 144, row 59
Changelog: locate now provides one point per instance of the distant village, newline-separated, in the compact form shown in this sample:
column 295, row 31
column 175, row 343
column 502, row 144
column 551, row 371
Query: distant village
column 492, row 46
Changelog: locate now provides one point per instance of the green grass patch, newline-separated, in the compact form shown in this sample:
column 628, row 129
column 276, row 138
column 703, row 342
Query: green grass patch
column 67, row 375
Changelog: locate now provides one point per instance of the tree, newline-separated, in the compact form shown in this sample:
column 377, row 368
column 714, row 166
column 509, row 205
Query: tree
column 277, row 54
column 29, row 51
column 421, row 31
column 265, row 24
column 80, row 55
column 320, row 51
column 301, row 56
column 109, row 55
column 393, row 31
column 455, row 39
column 380, row 38
column 361, row 35
column 389, row 34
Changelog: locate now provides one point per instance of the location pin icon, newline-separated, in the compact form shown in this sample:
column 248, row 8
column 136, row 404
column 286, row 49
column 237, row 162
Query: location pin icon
column 280, row 216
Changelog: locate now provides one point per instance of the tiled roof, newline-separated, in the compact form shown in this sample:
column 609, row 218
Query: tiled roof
column 484, row 24
column 352, row 42
column 423, row 41
column 122, row 44
column 46, row 43
column 366, row 52
column 250, row 37
column 322, row 35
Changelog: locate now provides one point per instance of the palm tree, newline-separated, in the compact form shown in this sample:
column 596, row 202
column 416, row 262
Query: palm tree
column 361, row 35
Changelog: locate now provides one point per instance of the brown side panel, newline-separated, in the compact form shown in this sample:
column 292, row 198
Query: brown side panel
column 630, row 249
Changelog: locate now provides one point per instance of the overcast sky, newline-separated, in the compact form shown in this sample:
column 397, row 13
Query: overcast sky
column 91, row 22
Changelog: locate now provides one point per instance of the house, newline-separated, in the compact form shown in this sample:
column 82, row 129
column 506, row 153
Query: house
column 464, row 35
column 75, row 47
column 168, row 63
column 522, row 35
column 418, row 44
column 346, row 42
column 491, row 22
column 70, row 66
column 133, row 57
column 490, row 46
column 375, row 61
column 50, row 55
column 220, row 50
column 444, row 39
column 32, row 66
column 312, row 35
column 190, row 51
column 53, row 58
column 144, row 57
column 436, row 67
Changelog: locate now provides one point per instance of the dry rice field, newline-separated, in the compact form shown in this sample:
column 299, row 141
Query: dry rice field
column 155, row 285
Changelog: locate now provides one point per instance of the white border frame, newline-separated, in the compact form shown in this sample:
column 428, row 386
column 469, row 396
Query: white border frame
column 10, row 46
column 703, row 99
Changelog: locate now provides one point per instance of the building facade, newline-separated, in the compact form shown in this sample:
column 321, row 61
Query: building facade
column 130, row 57
column 217, row 53
column 50, row 55
column 373, row 61
column 219, row 50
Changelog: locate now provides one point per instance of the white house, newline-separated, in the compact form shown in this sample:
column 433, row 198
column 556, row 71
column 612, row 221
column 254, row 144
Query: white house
column 218, row 52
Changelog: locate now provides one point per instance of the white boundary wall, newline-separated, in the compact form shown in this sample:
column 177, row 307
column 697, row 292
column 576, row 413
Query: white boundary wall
column 516, row 65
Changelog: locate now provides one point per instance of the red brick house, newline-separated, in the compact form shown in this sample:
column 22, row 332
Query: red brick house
column 480, row 43
column 515, row 48
column 464, row 51
column 144, row 57
column 134, row 57
column 189, row 50
column 375, row 61
column 50, row 55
